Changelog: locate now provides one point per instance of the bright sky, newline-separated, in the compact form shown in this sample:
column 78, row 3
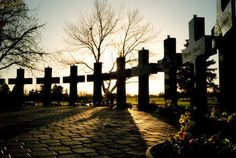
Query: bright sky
column 169, row 17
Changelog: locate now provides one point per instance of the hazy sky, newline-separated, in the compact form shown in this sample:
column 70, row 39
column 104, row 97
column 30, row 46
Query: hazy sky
column 169, row 17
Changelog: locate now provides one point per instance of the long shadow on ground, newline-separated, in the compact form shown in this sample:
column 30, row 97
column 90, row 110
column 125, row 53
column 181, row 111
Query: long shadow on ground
column 117, row 131
column 15, row 122
column 83, row 131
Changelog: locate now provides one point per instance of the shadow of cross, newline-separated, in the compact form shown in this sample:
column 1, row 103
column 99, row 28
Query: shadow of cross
column 73, row 79
column 195, row 54
column 47, row 81
column 19, row 81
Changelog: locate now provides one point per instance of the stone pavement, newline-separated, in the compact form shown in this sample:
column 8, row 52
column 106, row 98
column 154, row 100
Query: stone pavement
column 77, row 132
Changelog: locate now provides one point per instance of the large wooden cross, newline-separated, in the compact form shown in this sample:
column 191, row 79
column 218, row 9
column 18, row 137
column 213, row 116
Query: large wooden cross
column 19, row 83
column 120, row 75
column 195, row 54
column 73, row 79
column 47, row 81
column 143, row 70
column 224, row 33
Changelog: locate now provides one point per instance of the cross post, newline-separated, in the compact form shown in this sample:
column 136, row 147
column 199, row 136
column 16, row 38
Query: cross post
column 171, row 61
column 143, row 80
column 121, row 85
column 96, row 78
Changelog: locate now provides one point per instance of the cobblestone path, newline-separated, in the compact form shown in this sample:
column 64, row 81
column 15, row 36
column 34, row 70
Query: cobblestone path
column 77, row 132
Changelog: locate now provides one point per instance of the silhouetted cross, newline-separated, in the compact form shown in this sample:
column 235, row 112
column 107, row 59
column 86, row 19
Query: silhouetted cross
column 19, row 82
column 47, row 81
column 120, row 75
column 143, row 70
column 196, row 52
column 73, row 79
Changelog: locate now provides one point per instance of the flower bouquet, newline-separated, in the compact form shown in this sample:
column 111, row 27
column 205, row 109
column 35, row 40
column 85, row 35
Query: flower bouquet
column 186, row 145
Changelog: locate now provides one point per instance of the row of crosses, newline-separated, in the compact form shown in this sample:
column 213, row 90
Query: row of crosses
column 142, row 71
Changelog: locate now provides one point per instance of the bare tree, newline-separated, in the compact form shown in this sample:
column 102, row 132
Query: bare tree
column 106, row 29
column 134, row 33
column 19, row 35
column 93, row 30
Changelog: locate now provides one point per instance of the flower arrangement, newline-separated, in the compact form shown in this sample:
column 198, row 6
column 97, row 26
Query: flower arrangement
column 185, row 145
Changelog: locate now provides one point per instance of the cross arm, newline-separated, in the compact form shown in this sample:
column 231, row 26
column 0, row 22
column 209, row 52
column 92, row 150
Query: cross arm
column 151, row 68
column 200, row 47
column 40, row 80
column 51, row 80
column 23, row 81
column 75, row 79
